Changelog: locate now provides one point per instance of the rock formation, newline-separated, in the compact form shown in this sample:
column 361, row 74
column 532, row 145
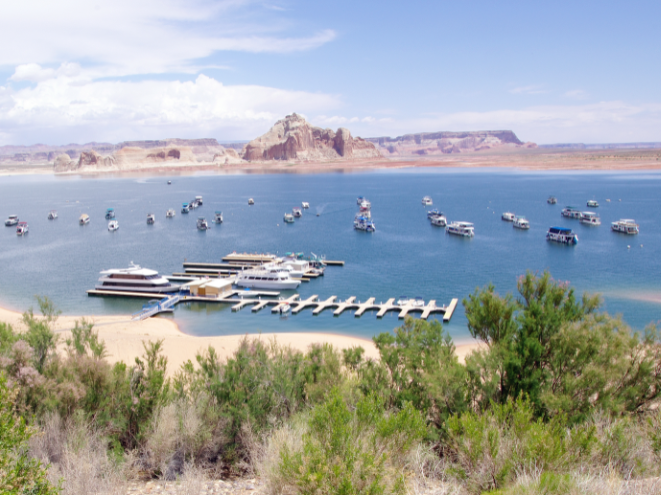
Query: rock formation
column 135, row 157
column 293, row 138
column 436, row 143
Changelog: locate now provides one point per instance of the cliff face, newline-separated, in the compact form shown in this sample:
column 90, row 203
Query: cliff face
column 293, row 138
column 435, row 143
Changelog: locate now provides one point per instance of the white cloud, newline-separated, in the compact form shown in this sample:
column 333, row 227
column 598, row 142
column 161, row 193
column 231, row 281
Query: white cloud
column 576, row 94
column 535, row 89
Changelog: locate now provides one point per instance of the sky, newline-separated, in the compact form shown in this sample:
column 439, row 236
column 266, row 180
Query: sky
column 77, row 71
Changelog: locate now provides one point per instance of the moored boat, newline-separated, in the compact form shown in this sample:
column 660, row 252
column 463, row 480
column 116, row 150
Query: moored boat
column 508, row 216
column 113, row 225
column 427, row 201
column 22, row 228
column 185, row 208
column 251, row 201
column 364, row 223
column 552, row 200
column 199, row 200
column 11, row 220
column 439, row 220
column 297, row 212
column 170, row 213
column 218, row 217
column 288, row 218
column 590, row 218
column 521, row 223
column 52, row 215
column 84, row 219
column 110, row 213
column 202, row 224
column 305, row 205
column 561, row 235
column 625, row 226
column 592, row 203
column 465, row 229
column 433, row 213
column 151, row 219
column 267, row 278
column 571, row 212
column 134, row 279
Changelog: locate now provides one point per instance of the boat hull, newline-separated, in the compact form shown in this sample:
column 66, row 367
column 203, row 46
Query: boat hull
column 265, row 284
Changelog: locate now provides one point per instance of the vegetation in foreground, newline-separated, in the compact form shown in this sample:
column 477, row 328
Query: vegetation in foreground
column 562, row 399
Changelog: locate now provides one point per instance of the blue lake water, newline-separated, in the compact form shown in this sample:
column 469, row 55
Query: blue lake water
column 406, row 256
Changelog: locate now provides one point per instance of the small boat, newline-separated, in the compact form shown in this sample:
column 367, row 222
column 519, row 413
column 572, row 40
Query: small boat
column 418, row 302
column 593, row 203
column 402, row 301
column 185, row 208
column 170, row 213
column 590, row 218
column 439, row 220
column 202, row 224
column 251, row 201
column 22, row 228
column 360, row 200
column 427, row 201
column 12, row 220
column 284, row 307
column 151, row 219
column 508, row 216
column 521, row 223
column 364, row 223
column 571, row 212
column 289, row 218
column 192, row 204
column 52, row 215
column 433, row 213
column 113, row 225
column 169, row 182
column 218, row 217
column 110, row 213
column 625, row 226
column 552, row 200
column 199, row 201
column 465, row 229
column 561, row 235
column 84, row 219
column 298, row 213
column 305, row 205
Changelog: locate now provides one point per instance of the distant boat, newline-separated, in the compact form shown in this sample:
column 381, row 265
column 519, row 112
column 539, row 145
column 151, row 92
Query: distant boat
column 288, row 218
column 625, row 226
column 185, row 208
column 590, row 218
column 552, row 200
column 218, row 217
column 251, row 201
column 561, row 235
column 521, row 223
column 508, row 216
column 571, row 212
column 297, row 212
column 113, row 225
column 202, row 224
column 465, row 229
column 110, row 213
column 305, row 205
column 84, row 219
column 593, row 203
column 12, row 220
column 427, row 201
column 22, row 228
column 52, row 215
column 170, row 213
column 151, row 219
column 439, row 220
column 169, row 182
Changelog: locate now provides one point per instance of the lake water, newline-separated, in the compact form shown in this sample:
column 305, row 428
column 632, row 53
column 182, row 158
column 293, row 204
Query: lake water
column 406, row 256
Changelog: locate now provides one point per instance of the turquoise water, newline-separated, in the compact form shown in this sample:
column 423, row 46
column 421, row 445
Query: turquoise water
column 406, row 256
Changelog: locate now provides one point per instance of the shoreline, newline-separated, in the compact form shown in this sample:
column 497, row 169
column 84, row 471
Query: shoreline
column 124, row 338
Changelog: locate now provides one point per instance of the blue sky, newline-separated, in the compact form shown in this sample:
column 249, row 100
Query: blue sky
column 79, row 71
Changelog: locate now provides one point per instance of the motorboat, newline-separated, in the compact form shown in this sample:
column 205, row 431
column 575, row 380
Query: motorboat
column 151, row 219
column 465, row 229
column 521, row 223
column 403, row 301
column 439, row 220
column 12, row 220
column 433, row 213
column 218, row 217
column 552, row 200
column 561, row 235
column 84, row 219
column 169, row 182
column 590, row 218
column 571, row 212
column 193, row 204
column 298, row 213
column 289, row 218
column 418, row 302
column 135, row 279
column 427, row 201
column 202, row 224
column 22, row 228
column 508, row 216
column 365, row 206
column 52, row 215
column 305, row 205
column 110, row 213
column 113, row 225
column 199, row 200
column 170, row 213
column 364, row 223
column 284, row 308
column 185, row 208
column 360, row 200
column 593, row 203
column 270, row 277
column 251, row 201
column 625, row 226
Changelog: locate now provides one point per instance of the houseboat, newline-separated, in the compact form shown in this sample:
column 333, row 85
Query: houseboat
column 305, row 205
column 110, row 213
column 508, row 216
column 552, row 200
column 571, row 212
column 202, row 224
column 218, row 217
column 590, row 218
column 439, row 220
column 593, row 203
column 11, row 221
column 52, row 215
column 625, row 226
column 427, row 201
column 113, row 225
column 22, row 228
column 521, row 223
column 288, row 218
column 561, row 235
column 364, row 223
column 185, row 208
column 170, row 213
column 251, row 201
column 151, row 219
column 465, row 229
column 297, row 212
column 84, row 219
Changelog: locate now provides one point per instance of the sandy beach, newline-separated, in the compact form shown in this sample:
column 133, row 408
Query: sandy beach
column 124, row 338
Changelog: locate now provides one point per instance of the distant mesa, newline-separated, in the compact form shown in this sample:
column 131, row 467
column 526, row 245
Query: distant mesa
column 293, row 138
column 437, row 143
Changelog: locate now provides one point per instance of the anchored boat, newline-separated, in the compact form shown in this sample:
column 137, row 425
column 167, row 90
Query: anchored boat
column 113, row 225
column 593, row 203
column 52, row 215
column 202, row 224
column 289, row 218
column 12, row 220
column 298, row 213
column 170, row 213
column 508, row 216
column 84, row 219
column 625, row 226
column 552, row 200
column 465, row 229
column 590, row 218
column 561, row 235
column 22, row 228
column 427, row 201
column 521, row 223
column 151, row 219
column 218, row 217
column 571, row 212
column 110, row 213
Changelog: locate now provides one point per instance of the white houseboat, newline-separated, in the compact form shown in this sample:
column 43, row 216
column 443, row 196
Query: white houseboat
column 465, row 229
column 267, row 278
column 590, row 218
column 364, row 223
column 571, row 212
column 297, row 212
column 84, row 219
column 151, row 219
column 170, row 213
column 110, row 213
column 427, row 201
column 625, row 226
column 561, row 235
column 288, row 218
column 11, row 221
column 521, row 223
column 593, row 203
column 134, row 279
column 22, row 228
column 202, row 224
column 113, row 225
column 52, row 215
column 508, row 216
column 218, row 217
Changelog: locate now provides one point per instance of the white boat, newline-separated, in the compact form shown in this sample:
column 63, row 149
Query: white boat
column 305, row 205
column 267, row 278
column 508, row 216
column 12, row 220
column 592, row 203
column 169, row 182
column 360, row 200
column 465, row 229
column 571, row 212
column 418, row 302
column 439, row 220
column 202, row 224
column 52, row 215
column 22, row 228
column 427, row 201
column 561, row 235
column 521, row 223
column 192, row 204
column 113, row 225
column 284, row 307
column 552, row 200
column 625, row 226
column 185, row 208
column 402, row 301
column 364, row 223
column 199, row 200
column 84, row 219
column 110, row 213
column 296, row 267
column 298, row 213
column 218, row 217
column 251, row 201
column 433, row 213
column 590, row 218
column 289, row 218
column 170, row 213
column 134, row 279
column 151, row 219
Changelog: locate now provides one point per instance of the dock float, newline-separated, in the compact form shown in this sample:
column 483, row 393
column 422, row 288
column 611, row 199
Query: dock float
column 344, row 305
column 333, row 263
column 290, row 300
column 450, row 309
column 310, row 301
column 325, row 305
column 369, row 304
column 388, row 306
